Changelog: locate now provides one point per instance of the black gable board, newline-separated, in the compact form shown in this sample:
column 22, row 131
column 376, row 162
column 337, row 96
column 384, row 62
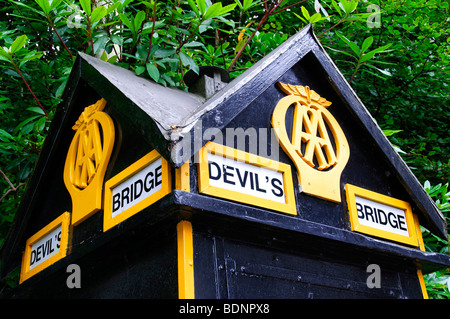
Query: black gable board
column 49, row 163
column 47, row 197
column 238, row 248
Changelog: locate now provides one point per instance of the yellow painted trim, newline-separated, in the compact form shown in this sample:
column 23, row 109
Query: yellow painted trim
column 422, row 247
column 352, row 191
column 182, row 178
column 185, row 260
column 422, row 284
column 166, row 188
column 87, row 160
column 63, row 221
column 289, row 207
column 418, row 233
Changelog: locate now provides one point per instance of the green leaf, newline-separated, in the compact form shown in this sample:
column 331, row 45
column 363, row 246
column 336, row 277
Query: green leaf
column 369, row 55
column 435, row 189
column 153, row 71
column 100, row 43
column 375, row 74
column 104, row 56
column 140, row 17
column 36, row 109
column 4, row 55
column 54, row 4
column 382, row 48
column 366, row 57
column 315, row 17
column 193, row 7
column 139, row 70
column 116, row 39
column 127, row 22
column 354, row 48
column 362, row 17
column 247, row 4
column 349, row 5
column 366, row 44
column 60, row 89
column 336, row 7
column 391, row 132
column 112, row 59
column 398, row 149
column 40, row 124
column 305, row 13
column 86, row 5
column 163, row 53
column 188, row 61
column 2, row 58
column 239, row 5
column 193, row 44
column 112, row 7
column 385, row 72
column 201, row 6
column 168, row 79
column 301, row 18
column 5, row 136
column 28, row 7
column 98, row 14
column 341, row 51
column 25, row 123
column 351, row 44
column 240, row 45
column 213, row 11
column 31, row 56
column 227, row 9
column 45, row 6
column 18, row 43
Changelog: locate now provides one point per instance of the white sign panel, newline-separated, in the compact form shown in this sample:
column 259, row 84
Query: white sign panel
column 45, row 248
column 245, row 178
column 381, row 216
column 137, row 188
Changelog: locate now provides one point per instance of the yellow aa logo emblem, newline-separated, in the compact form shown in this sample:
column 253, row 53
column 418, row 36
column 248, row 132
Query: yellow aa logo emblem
column 310, row 131
column 316, row 144
column 87, row 160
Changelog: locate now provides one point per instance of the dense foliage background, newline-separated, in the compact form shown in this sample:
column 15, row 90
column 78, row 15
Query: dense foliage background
column 395, row 54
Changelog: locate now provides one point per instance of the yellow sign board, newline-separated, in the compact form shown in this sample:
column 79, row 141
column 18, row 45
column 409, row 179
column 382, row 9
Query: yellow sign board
column 246, row 178
column 135, row 188
column 46, row 247
column 381, row 216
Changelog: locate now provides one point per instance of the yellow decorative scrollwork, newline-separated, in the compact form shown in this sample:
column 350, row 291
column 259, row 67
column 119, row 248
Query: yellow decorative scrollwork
column 87, row 160
column 319, row 162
